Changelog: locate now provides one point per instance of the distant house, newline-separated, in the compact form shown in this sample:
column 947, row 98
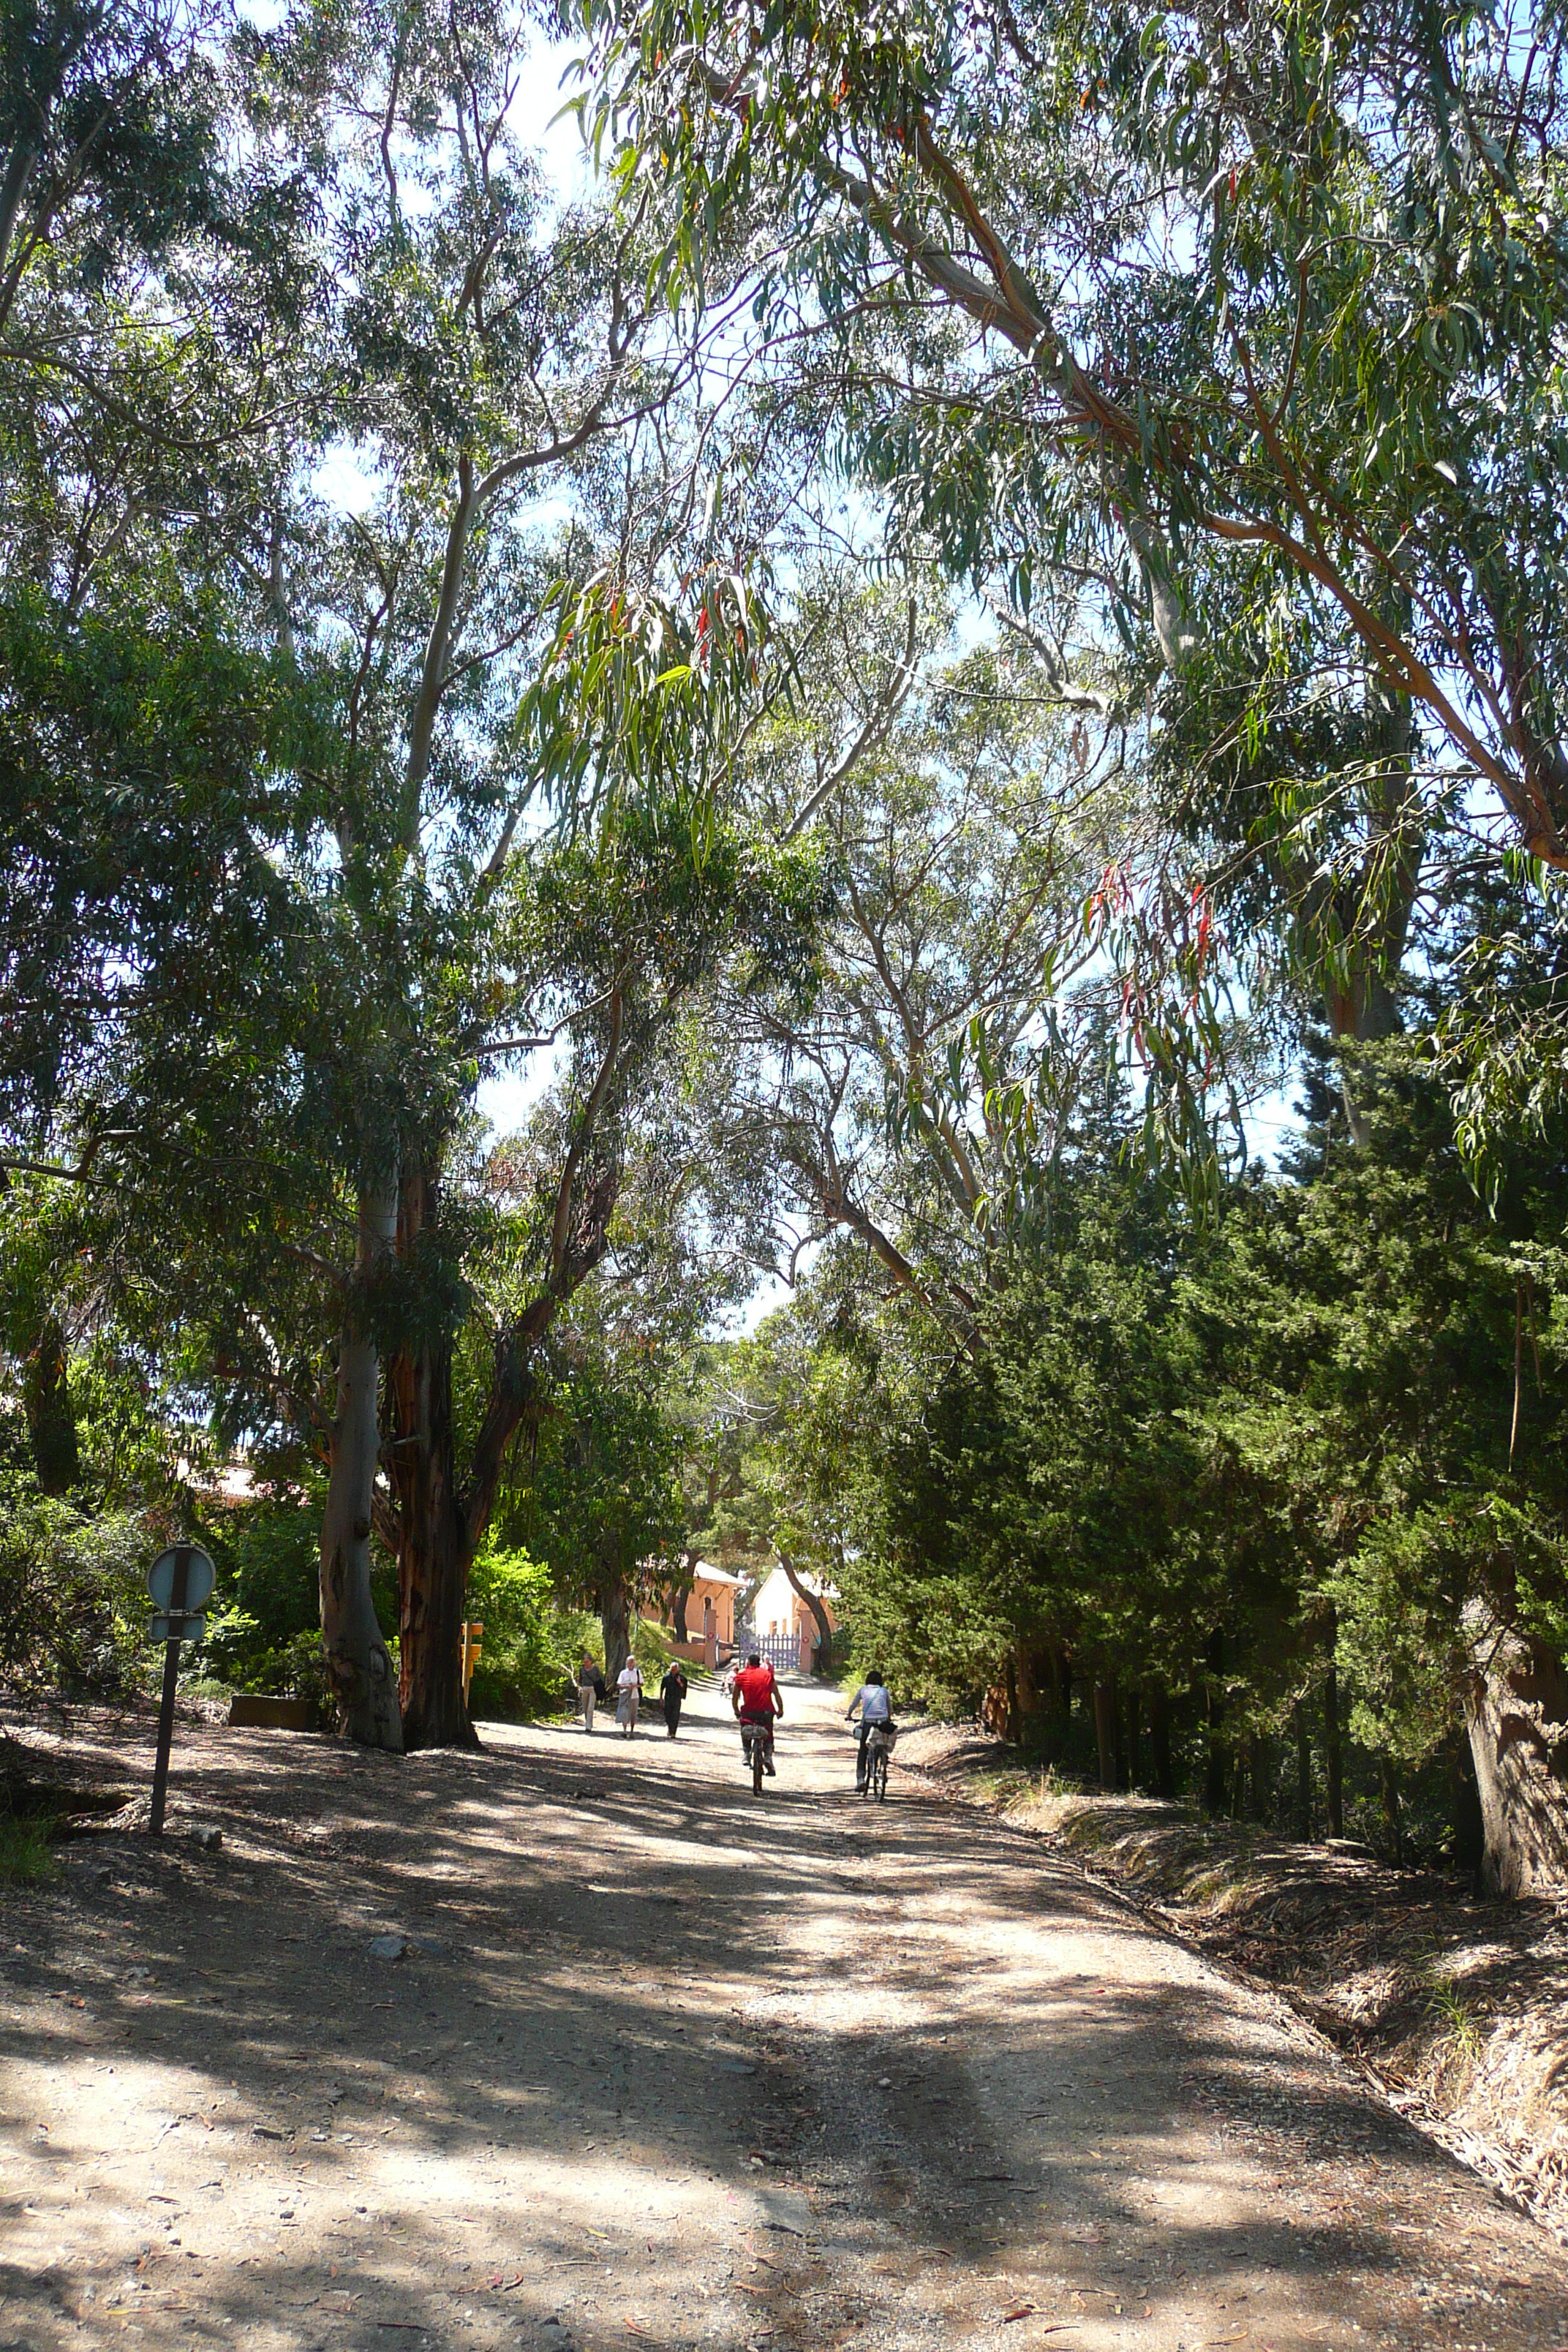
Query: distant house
column 710, row 1613
column 780, row 1616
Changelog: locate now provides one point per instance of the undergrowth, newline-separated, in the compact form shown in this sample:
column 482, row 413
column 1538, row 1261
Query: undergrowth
column 26, row 1857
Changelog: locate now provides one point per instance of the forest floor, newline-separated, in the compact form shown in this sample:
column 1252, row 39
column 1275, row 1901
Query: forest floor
column 574, row 2044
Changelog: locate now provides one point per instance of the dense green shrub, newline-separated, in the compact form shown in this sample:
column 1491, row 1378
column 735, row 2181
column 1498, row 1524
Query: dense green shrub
column 264, row 1628
column 531, row 1647
column 73, row 1604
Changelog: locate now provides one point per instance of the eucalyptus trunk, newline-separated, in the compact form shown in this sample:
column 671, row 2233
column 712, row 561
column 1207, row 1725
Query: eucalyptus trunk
column 434, row 1548
column 434, row 1560
column 1516, row 1712
column 359, row 1668
column 616, row 1624
column 443, row 1507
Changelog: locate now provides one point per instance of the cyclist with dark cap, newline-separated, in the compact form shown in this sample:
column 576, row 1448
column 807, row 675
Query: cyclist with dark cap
column 876, row 1705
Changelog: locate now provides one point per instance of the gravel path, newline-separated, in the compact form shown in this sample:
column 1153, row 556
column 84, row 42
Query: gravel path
column 656, row 2065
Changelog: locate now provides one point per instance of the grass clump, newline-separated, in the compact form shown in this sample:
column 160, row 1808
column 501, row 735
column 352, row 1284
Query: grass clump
column 1449, row 2010
column 25, row 1856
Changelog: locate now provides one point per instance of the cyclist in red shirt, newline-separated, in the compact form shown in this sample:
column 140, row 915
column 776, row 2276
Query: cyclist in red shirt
column 756, row 1697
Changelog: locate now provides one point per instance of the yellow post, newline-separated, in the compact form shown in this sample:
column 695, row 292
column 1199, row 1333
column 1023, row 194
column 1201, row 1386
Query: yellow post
column 471, row 1645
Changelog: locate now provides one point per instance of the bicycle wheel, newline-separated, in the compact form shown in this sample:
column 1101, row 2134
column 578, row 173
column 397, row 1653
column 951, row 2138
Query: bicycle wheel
column 756, row 1768
column 879, row 1773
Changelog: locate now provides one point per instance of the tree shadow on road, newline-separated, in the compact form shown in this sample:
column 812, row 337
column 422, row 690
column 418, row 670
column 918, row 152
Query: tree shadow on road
column 623, row 1997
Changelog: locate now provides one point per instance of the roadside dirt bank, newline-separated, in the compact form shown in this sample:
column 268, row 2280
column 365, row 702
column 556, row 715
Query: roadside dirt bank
column 1457, row 2009
column 574, row 2044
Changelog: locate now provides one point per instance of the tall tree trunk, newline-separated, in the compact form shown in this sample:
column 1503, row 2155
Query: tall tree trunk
column 1160, row 1743
column 1105, row 1732
column 1388, row 1780
column 1361, row 1003
column 435, row 1548
column 824, row 1622
column 999, row 1707
column 1216, row 1773
column 359, row 1668
column 1064, row 1700
column 442, row 1515
column 1516, row 1711
column 434, row 1557
column 678, row 1598
column 615, row 1624
column 1333, row 1747
column 1134, row 1737
column 1303, row 1771
column 51, row 1417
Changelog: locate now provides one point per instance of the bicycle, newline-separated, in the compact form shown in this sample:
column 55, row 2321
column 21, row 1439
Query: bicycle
column 878, row 1748
column 755, row 1741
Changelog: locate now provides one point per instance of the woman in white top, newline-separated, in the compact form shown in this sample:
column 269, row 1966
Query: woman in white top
column 628, row 1681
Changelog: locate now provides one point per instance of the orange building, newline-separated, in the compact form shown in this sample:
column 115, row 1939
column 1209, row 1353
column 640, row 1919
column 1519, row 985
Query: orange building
column 709, row 1614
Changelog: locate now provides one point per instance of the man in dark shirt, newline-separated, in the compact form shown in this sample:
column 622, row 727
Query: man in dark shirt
column 672, row 1690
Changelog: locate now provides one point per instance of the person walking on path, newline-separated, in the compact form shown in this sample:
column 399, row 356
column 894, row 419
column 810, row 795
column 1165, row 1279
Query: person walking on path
column 672, row 1690
column 628, row 1681
column 590, row 1687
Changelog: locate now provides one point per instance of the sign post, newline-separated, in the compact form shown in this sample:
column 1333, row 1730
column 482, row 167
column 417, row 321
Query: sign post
column 179, row 1581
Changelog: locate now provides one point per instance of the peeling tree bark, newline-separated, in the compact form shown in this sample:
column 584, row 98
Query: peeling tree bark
column 359, row 1668
column 1361, row 1006
column 435, row 1553
column 1516, row 1712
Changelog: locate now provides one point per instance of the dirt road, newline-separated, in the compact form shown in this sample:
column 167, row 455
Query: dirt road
column 574, row 2044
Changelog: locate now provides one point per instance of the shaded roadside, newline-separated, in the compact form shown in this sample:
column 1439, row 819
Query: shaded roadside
column 1455, row 2008
column 650, row 2062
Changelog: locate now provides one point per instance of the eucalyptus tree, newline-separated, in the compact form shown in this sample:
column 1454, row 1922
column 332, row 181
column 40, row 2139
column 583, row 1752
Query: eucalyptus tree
column 960, row 801
column 487, row 365
column 1291, row 286
column 151, row 273
column 335, row 699
column 603, row 1491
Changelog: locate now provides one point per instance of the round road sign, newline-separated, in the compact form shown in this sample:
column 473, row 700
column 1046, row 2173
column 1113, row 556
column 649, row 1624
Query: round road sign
column 181, row 1578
